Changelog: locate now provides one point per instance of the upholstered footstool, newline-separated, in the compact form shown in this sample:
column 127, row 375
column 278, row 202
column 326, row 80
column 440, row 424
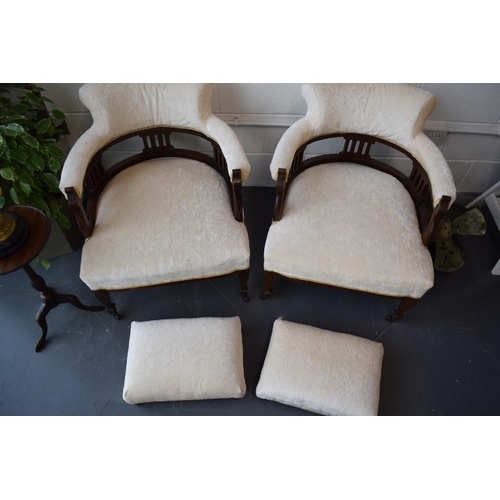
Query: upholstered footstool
column 321, row 371
column 184, row 359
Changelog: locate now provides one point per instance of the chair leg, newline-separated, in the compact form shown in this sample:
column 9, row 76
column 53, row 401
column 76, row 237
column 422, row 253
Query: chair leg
column 405, row 304
column 268, row 285
column 243, row 278
column 105, row 298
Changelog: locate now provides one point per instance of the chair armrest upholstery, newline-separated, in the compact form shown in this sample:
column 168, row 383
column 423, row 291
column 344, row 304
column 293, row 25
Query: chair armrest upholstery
column 235, row 156
column 435, row 165
column 294, row 137
column 78, row 159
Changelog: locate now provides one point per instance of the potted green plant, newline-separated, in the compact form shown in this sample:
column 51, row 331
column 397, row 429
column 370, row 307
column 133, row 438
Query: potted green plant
column 29, row 155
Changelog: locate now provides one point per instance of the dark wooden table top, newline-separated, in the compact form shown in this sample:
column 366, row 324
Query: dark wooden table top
column 39, row 233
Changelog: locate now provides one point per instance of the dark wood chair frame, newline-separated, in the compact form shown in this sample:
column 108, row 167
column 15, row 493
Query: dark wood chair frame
column 157, row 144
column 356, row 149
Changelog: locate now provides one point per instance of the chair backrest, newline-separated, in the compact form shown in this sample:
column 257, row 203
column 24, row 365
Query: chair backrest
column 121, row 108
column 396, row 112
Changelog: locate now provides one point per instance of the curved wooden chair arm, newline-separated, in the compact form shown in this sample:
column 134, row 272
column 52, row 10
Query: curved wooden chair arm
column 75, row 202
column 157, row 144
column 279, row 202
column 431, row 228
column 236, row 192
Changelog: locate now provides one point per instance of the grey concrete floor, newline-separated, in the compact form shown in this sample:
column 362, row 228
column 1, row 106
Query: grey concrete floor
column 442, row 359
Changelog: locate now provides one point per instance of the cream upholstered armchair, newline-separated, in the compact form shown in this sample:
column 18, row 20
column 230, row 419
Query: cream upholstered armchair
column 347, row 219
column 166, row 214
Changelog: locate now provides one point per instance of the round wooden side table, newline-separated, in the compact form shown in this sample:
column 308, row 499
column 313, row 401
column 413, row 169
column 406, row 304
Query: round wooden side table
column 39, row 231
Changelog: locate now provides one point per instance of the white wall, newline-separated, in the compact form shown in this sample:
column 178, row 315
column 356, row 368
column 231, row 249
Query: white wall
column 474, row 158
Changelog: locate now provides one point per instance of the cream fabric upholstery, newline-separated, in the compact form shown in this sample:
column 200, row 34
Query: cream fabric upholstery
column 439, row 174
column 118, row 109
column 162, row 221
column 395, row 112
column 350, row 226
column 184, row 359
column 321, row 371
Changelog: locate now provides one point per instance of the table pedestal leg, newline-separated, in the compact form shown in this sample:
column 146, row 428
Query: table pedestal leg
column 50, row 300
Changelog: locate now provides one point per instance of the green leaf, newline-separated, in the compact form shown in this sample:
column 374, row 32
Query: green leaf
column 34, row 99
column 13, row 129
column 26, row 188
column 54, row 207
column 30, row 169
column 55, row 150
column 39, row 202
column 18, row 154
column 62, row 220
column 54, row 165
column 24, row 177
column 45, row 263
column 38, row 89
column 51, row 180
column 46, row 99
column 37, row 162
column 8, row 174
column 13, row 195
column 30, row 141
column 23, row 122
column 58, row 114
column 2, row 201
column 43, row 125
column 20, row 108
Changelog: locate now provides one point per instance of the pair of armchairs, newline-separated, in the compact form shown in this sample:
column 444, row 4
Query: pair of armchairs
column 172, row 213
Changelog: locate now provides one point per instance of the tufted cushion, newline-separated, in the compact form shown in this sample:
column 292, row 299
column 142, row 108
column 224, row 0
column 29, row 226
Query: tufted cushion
column 321, row 371
column 350, row 226
column 162, row 221
column 184, row 359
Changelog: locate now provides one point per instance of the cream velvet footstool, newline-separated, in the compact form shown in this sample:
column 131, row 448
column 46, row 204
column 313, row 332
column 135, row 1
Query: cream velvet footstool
column 321, row 371
column 184, row 359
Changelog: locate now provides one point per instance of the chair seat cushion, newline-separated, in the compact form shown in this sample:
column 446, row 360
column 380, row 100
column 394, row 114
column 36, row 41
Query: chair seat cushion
column 321, row 371
column 350, row 226
column 162, row 221
column 184, row 359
